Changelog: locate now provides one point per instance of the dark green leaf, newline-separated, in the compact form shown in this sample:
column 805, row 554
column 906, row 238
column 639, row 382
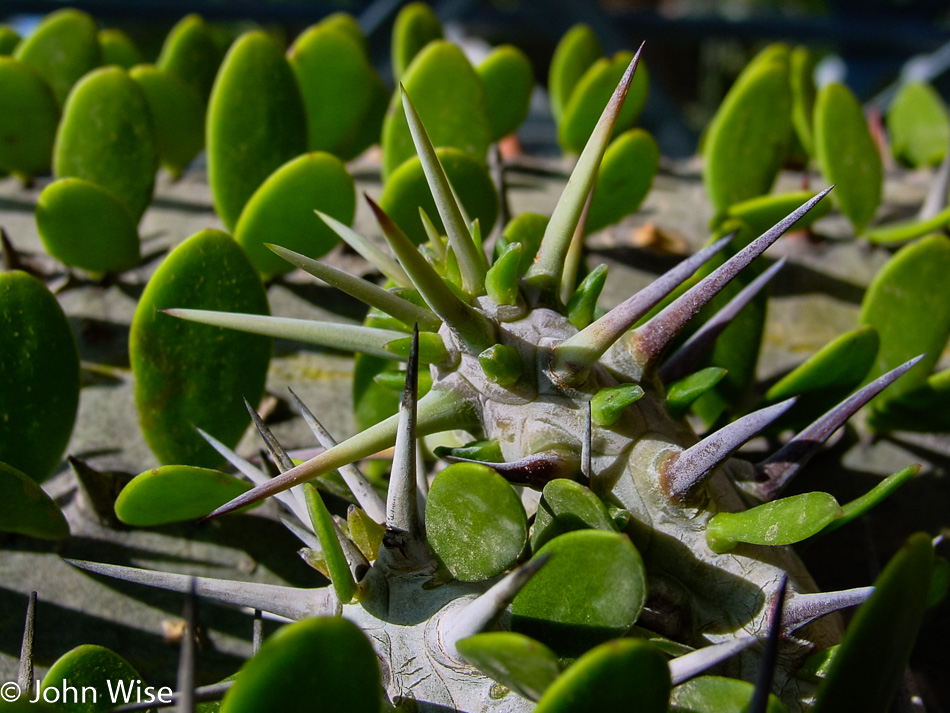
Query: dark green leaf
column 524, row 665
column 26, row 509
column 192, row 54
column 119, row 49
column 684, row 392
column 918, row 125
column 573, row 56
column 924, row 408
column 508, row 79
column 95, row 667
column 624, row 179
column 714, row 694
column 28, row 120
column 567, row 506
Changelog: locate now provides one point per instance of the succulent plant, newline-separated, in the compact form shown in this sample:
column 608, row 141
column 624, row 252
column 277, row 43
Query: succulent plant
column 641, row 530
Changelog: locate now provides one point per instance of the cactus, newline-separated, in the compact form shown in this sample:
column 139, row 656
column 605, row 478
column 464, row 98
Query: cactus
column 642, row 529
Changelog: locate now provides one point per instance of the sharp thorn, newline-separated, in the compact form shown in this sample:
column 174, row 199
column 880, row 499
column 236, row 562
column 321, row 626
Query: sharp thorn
column 438, row 410
column 685, row 667
column 257, row 632
column 763, row 683
column 285, row 601
column 478, row 614
column 24, row 676
column 650, row 340
column 277, row 452
column 803, row 609
column 364, row 493
column 186, row 659
column 588, row 443
column 301, row 532
column 692, row 466
column 380, row 260
column 575, row 355
column 774, row 473
column 533, row 471
column 686, row 359
column 288, row 500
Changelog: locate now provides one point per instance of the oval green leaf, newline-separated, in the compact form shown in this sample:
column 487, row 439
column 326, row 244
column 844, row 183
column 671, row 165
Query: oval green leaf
column 868, row 667
column 62, row 48
column 715, row 694
column 192, row 54
column 106, row 137
column 508, row 79
column 573, row 56
column 450, row 100
column 189, row 374
column 334, row 77
column 908, row 302
column 624, row 179
column 9, row 39
column 119, row 49
column 681, row 394
column 620, row 675
column 801, row 75
column 591, row 95
column 85, row 226
column 177, row 116
column 95, row 667
column 281, row 211
column 26, row 509
column 918, row 125
column 528, row 230
column 416, row 26
column 847, row 154
column 371, row 124
column 175, row 493
column 524, row 665
column 326, row 662
column 407, row 190
column 780, row 522
column 746, row 139
column 475, row 522
column 39, row 376
column 591, row 590
column 566, row 506
column 256, row 122
column 28, row 120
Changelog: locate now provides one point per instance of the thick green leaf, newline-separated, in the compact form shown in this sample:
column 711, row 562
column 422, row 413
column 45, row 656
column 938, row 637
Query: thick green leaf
column 762, row 212
column 847, row 154
column 407, row 190
column 624, row 179
column 28, row 120
column 902, row 231
column 347, row 24
column 281, row 211
column 26, row 509
column 85, row 226
column 416, row 26
column 591, row 95
column 334, row 75
column 63, row 48
column 370, row 126
column 924, row 408
column 714, row 694
column 366, row 533
column 781, row 522
column 508, row 79
column 918, row 125
column 119, row 49
column 192, row 54
column 475, row 522
column 9, row 39
column 39, row 376
column 450, row 100
column 177, row 115
column 528, row 230
column 567, row 506
column 609, row 403
column 908, row 302
column 326, row 663
column 591, row 590
column 573, row 56
column 256, row 122
column 801, row 75
column 189, row 374
column 175, row 493
column 826, row 377
column 620, row 675
column 746, row 140
column 869, row 665
column 681, row 394
column 524, row 665
column 334, row 559
column 106, row 137
column 90, row 666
